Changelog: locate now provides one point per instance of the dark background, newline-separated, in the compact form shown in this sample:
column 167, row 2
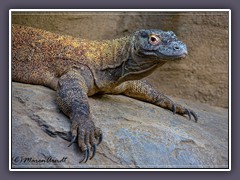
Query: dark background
column 234, row 5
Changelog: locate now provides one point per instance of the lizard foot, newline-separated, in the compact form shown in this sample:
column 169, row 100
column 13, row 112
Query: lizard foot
column 184, row 111
column 86, row 135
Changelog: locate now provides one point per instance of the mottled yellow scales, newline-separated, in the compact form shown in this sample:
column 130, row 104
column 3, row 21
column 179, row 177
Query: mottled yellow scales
column 77, row 68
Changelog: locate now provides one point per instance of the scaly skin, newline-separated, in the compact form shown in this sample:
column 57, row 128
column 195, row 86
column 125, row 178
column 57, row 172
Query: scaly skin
column 78, row 68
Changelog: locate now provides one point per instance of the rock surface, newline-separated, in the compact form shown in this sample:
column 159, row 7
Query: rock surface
column 136, row 134
column 202, row 76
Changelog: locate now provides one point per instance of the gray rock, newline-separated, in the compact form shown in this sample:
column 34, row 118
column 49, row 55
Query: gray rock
column 136, row 134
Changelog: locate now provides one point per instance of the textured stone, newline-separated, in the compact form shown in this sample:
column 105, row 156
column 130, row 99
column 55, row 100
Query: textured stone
column 136, row 134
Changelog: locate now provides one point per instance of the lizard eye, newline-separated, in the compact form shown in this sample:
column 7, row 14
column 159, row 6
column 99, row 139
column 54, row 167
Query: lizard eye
column 154, row 40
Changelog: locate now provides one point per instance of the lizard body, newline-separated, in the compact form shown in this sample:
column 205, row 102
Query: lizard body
column 78, row 68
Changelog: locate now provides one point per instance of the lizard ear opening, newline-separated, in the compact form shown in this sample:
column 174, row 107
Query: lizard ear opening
column 144, row 34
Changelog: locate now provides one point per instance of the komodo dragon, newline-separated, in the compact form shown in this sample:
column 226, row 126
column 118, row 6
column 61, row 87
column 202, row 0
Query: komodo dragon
column 76, row 68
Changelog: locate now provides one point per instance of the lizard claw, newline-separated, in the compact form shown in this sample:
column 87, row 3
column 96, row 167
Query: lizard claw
column 194, row 115
column 72, row 141
column 191, row 113
column 87, row 156
column 100, row 139
column 94, row 151
column 188, row 113
column 98, row 134
column 86, row 153
column 174, row 109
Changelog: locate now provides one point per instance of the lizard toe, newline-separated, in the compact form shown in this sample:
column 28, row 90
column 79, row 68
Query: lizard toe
column 185, row 111
column 93, row 143
column 87, row 143
column 82, row 143
column 188, row 113
column 74, row 133
column 84, row 156
column 191, row 113
column 98, row 135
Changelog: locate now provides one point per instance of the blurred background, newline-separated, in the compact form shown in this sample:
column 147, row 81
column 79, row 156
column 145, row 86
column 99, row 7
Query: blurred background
column 201, row 77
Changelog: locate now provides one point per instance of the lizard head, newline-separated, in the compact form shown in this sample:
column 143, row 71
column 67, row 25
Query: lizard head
column 158, row 44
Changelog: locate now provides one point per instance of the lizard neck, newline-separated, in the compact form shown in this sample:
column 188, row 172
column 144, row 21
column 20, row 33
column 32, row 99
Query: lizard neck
column 137, row 67
column 129, row 66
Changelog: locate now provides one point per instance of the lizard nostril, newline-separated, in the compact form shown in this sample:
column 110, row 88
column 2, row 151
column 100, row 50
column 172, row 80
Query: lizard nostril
column 176, row 48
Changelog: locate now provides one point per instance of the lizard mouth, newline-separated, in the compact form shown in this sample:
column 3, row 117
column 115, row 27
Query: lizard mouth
column 164, row 57
column 173, row 56
column 175, row 53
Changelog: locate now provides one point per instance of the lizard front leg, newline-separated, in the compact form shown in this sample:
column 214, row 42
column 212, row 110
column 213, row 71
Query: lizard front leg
column 73, row 101
column 144, row 91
